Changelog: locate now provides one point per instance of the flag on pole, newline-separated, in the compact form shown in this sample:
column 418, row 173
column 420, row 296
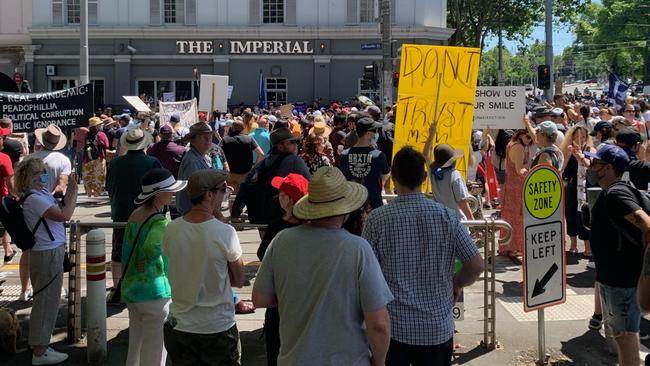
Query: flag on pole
column 262, row 97
column 617, row 90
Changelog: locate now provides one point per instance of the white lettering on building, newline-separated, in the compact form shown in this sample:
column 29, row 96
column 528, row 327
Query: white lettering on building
column 194, row 47
column 271, row 47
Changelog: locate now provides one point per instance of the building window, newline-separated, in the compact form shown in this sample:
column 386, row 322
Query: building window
column 276, row 90
column 273, row 11
column 98, row 88
column 370, row 93
column 174, row 11
column 367, row 11
column 153, row 91
column 73, row 11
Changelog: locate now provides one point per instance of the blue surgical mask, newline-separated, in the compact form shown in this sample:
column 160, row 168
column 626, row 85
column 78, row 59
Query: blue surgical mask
column 44, row 178
column 375, row 138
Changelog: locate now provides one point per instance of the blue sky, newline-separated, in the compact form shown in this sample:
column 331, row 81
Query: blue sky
column 562, row 37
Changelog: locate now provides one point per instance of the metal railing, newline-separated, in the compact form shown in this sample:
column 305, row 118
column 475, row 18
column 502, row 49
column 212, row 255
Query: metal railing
column 483, row 231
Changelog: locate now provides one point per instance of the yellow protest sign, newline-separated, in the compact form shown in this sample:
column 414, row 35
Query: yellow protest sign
column 437, row 83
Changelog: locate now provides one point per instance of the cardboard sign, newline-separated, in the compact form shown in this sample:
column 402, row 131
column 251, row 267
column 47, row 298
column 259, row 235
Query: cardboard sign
column 499, row 107
column 286, row 111
column 69, row 108
column 185, row 110
column 213, row 94
column 137, row 103
column 437, row 83
column 544, row 259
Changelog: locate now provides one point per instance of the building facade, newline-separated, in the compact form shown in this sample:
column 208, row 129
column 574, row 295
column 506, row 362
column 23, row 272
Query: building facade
column 16, row 47
column 303, row 50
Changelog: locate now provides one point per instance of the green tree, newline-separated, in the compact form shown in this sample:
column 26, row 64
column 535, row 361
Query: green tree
column 475, row 20
column 613, row 36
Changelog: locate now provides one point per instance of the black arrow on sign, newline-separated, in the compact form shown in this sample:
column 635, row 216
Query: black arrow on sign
column 540, row 284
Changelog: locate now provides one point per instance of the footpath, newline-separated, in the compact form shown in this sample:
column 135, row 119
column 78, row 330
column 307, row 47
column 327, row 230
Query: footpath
column 568, row 340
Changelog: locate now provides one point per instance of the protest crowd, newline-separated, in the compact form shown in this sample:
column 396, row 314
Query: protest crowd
column 346, row 277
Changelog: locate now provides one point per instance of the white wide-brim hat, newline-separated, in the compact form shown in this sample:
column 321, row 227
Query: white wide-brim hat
column 158, row 180
column 329, row 194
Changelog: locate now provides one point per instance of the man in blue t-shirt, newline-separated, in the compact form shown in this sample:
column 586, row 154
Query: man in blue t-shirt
column 364, row 163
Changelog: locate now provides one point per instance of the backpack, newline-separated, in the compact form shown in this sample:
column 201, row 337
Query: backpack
column 503, row 138
column 13, row 220
column 261, row 198
column 93, row 147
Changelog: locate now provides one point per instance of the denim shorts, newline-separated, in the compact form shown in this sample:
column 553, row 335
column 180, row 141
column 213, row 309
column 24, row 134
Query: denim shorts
column 621, row 311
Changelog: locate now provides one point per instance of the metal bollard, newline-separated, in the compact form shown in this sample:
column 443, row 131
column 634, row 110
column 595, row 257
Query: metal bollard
column 95, row 297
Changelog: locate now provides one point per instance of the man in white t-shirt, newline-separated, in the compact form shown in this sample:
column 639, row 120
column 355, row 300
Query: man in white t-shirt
column 58, row 165
column 205, row 260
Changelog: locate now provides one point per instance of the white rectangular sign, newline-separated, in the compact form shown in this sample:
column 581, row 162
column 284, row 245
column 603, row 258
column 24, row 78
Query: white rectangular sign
column 186, row 112
column 137, row 103
column 213, row 94
column 230, row 87
column 499, row 107
column 169, row 97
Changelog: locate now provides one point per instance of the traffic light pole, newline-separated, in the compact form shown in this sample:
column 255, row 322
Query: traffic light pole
column 84, row 76
column 387, row 59
column 548, row 93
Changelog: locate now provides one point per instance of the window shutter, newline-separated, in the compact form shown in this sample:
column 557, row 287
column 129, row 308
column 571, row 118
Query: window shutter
column 57, row 12
column 190, row 12
column 353, row 12
column 154, row 12
column 290, row 12
column 92, row 12
column 254, row 11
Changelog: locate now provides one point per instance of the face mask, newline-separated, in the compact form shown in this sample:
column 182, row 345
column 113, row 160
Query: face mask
column 375, row 138
column 592, row 177
column 44, row 178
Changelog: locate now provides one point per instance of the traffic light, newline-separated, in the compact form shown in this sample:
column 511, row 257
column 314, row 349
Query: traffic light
column 370, row 77
column 396, row 79
column 543, row 77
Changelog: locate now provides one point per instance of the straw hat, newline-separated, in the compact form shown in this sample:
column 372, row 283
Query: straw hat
column 158, row 180
column 94, row 121
column 135, row 139
column 51, row 137
column 321, row 129
column 329, row 194
column 444, row 155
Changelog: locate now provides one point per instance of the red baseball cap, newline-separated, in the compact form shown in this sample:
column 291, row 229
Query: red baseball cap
column 294, row 185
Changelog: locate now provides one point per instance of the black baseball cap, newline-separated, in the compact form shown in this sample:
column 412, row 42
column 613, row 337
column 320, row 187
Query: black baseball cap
column 629, row 136
column 601, row 126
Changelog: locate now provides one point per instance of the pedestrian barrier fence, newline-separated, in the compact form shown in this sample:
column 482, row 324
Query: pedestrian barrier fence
column 485, row 232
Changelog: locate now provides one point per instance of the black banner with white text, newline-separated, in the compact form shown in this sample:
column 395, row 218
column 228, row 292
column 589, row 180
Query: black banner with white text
column 69, row 108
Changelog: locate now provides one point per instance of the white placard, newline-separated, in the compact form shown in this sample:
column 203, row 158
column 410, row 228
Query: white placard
column 169, row 97
column 137, row 103
column 213, row 94
column 499, row 107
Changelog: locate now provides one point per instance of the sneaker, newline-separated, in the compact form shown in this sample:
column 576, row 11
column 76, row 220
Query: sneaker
column 644, row 336
column 24, row 297
column 591, row 265
column 595, row 323
column 10, row 258
column 50, row 357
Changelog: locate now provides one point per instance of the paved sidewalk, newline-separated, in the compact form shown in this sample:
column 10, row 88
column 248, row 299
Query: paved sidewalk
column 568, row 340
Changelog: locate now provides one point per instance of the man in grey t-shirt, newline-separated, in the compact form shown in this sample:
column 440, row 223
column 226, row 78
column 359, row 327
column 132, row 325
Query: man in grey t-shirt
column 326, row 282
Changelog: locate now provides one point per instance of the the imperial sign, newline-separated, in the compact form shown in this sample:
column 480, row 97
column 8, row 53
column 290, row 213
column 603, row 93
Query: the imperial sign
column 248, row 47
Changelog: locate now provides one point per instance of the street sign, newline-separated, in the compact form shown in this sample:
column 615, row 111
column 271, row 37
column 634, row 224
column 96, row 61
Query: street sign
column 371, row 46
column 544, row 261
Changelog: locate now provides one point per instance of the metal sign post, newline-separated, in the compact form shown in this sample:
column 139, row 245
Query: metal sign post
column 544, row 265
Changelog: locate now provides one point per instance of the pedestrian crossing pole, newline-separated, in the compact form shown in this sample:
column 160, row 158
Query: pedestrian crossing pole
column 541, row 338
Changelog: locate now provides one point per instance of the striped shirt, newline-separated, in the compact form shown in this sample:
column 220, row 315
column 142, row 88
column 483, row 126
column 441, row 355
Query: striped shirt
column 416, row 241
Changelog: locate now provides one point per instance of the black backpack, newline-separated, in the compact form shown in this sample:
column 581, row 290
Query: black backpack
column 13, row 220
column 260, row 197
column 93, row 148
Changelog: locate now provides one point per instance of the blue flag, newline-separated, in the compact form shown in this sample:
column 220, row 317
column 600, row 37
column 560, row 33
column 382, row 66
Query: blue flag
column 617, row 90
column 262, row 96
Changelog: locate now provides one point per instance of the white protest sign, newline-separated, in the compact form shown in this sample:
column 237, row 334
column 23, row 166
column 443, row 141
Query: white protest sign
column 169, row 97
column 499, row 107
column 137, row 103
column 213, row 94
column 185, row 110
column 544, row 261
column 230, row 87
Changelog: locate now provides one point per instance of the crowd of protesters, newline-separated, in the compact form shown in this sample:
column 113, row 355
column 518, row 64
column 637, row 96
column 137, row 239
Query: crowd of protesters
column 333, row 254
